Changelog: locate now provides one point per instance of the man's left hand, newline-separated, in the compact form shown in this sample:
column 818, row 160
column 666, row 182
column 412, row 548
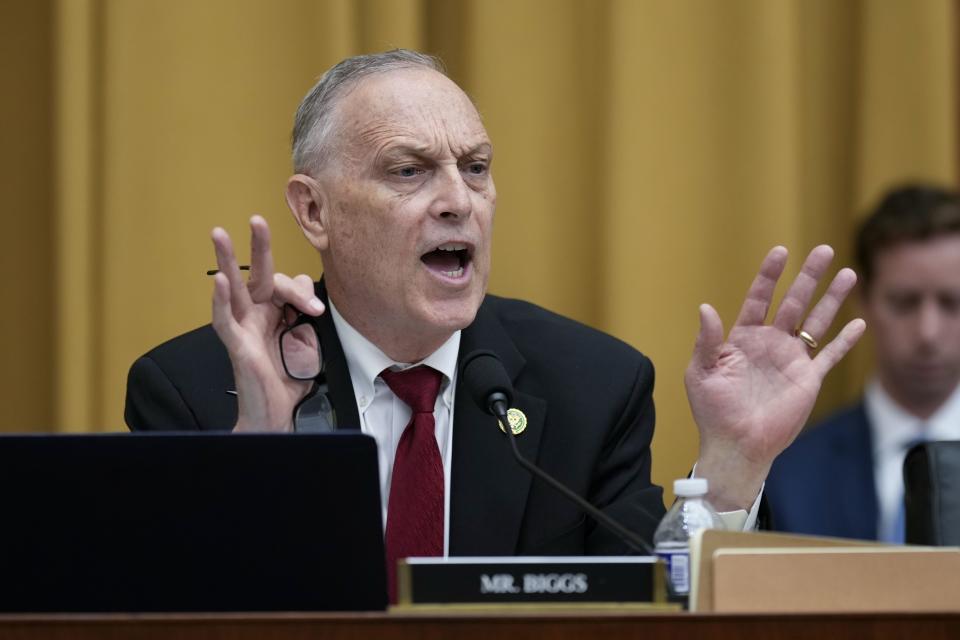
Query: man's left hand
column 752, row 393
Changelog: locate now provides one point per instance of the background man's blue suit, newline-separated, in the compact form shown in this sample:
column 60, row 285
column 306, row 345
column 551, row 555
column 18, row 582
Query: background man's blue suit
column 823, row 483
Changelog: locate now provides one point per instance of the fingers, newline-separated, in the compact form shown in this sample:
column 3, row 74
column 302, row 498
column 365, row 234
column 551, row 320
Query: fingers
column 239, row 297
column 795, row 302
column 263, row 286
column 757, row 302
column 260, row 284
column 224, row 323
column 831, row 354
column 297, row 292
column 820, row 319
column 709, row 343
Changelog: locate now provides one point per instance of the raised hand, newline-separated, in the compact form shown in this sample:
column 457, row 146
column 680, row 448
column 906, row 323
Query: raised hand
column 248, row 318
column 751, row 394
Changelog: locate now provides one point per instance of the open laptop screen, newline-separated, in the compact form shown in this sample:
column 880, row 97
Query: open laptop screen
column 190, row 522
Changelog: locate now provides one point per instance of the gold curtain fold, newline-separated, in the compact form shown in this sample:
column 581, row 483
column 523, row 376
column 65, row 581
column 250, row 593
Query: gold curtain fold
column 648, row 153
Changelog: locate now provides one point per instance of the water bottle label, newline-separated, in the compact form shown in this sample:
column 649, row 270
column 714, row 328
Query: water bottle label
column 678, row 569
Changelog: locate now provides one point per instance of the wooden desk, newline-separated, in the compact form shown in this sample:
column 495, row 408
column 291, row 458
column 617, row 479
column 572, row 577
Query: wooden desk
column 573, row 626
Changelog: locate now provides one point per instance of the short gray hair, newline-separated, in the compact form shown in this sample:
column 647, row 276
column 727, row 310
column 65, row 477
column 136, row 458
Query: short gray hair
column 314, row 120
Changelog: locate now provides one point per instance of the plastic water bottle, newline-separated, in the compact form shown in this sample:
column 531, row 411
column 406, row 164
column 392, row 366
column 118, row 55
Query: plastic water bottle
column 690, row 513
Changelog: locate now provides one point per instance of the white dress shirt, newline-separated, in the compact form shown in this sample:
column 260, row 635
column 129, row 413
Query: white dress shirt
column 741, row 519
column 384, row 416
column 892, row 428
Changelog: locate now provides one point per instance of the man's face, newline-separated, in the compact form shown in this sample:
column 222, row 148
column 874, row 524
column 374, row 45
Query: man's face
column 409, row 207
column 913, row 308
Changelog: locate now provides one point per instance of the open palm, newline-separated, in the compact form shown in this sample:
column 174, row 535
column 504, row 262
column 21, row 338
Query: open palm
column 751, row 393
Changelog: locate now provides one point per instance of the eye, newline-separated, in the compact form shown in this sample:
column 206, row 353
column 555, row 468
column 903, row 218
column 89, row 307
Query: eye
column 903, row 303
column 408, row 171
column 477, row 168
column 949, row 303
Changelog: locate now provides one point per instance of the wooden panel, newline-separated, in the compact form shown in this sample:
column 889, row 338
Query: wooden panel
column 836, row 579
column 477, row 627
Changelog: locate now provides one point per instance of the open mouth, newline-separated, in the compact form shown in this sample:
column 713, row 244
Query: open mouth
column 449, row 260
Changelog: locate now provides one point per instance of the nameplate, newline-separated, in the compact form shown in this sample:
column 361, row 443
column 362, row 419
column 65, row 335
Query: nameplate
column 502, row 580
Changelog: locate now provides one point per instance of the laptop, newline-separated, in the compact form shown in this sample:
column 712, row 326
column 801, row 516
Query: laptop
column 145, row 522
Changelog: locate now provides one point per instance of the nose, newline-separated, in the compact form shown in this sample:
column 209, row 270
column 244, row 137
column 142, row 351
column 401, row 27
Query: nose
column 452, row 199
column 930, row 322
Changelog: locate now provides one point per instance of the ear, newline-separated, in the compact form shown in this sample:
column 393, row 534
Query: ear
column 308, row 206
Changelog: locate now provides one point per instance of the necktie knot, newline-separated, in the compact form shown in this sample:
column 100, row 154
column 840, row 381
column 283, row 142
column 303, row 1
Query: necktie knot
column 417, row 387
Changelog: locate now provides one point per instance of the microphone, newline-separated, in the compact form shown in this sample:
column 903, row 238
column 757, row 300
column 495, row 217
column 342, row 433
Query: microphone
column 490, row 386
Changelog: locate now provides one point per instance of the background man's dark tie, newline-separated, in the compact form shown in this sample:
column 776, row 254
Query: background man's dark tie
column 898, row 532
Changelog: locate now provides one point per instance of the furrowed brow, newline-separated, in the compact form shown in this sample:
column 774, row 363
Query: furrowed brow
column 403, row 150
column 482, row 149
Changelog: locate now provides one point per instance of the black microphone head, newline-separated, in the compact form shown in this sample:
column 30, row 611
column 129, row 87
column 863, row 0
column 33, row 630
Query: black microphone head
column 484, row 377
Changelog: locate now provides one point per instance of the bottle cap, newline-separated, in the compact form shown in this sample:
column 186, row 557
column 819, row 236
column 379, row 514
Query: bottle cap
column 690, row 487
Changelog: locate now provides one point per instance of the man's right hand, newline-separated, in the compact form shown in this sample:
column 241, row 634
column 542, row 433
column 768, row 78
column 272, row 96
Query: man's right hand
column 248, row 318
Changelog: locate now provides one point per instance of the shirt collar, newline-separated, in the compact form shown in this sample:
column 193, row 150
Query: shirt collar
column 892, row 426
column 945, row 423
column 365, row 360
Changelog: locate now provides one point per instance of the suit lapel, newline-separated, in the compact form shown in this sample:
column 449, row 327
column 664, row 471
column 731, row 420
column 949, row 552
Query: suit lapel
column 488, row 488
column 339, row 385
column 857, row 490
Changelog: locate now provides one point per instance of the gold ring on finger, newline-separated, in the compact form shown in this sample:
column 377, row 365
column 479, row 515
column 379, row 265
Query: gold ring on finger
column 808, row 339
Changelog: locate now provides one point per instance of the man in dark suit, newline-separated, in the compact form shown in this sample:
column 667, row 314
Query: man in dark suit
column 393, row 188
column 603, row 413
column 844, row 477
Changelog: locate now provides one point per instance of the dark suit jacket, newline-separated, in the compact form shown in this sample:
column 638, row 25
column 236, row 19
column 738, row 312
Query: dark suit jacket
column 823, row 483
column 587, row 397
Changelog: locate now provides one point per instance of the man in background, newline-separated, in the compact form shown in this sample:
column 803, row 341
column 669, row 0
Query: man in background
column 844, row 476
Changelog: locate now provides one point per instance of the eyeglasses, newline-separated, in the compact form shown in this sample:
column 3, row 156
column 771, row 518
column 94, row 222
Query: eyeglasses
column 300, row 350
column 302, row 359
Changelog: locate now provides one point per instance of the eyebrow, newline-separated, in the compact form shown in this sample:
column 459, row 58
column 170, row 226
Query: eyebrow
column 404, row 149
column 425, row 150
column 483, row 147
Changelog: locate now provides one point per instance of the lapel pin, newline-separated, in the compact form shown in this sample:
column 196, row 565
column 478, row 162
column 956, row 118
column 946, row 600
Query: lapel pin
column 517, row 420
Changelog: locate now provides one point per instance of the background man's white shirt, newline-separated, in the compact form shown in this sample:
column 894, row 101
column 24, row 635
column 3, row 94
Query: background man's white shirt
column 892, row 428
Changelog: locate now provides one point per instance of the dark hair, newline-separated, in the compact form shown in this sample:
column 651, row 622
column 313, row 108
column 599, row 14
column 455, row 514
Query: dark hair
column 910, row 213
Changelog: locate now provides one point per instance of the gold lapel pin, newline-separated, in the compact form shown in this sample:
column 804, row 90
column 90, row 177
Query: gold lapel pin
column 517, row 420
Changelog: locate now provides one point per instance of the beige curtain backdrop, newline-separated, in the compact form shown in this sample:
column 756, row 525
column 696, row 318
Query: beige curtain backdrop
column 648, row 153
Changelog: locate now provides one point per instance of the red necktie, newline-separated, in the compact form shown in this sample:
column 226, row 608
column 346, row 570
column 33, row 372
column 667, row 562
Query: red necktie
column 415, row 510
